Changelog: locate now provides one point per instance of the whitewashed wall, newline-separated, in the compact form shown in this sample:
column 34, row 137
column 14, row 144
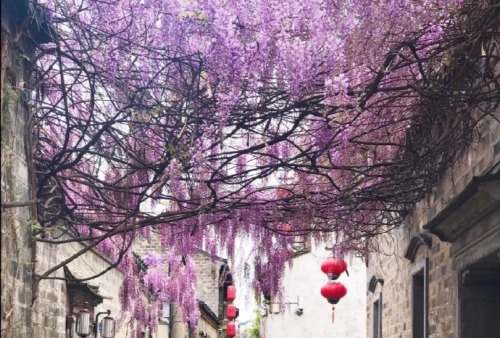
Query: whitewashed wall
column 304, row 281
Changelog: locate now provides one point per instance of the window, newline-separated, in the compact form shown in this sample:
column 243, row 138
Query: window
column 301, row 244
column 165, row 314
column 419, row 300
column 377, row 318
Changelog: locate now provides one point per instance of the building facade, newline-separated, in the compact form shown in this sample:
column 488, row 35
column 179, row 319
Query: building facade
column 211, row 304
column 438, row 275
column 307, row 313
column 19, row 37
column 32, row 307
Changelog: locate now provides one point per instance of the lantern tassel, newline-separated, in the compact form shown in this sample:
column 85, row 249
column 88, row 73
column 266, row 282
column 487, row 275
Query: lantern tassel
column 333, row 314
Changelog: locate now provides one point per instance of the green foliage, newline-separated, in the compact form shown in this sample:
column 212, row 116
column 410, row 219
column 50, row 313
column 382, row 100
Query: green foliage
column 34, row 225
column 36, row 229
column 20, row 57
column 254, row 331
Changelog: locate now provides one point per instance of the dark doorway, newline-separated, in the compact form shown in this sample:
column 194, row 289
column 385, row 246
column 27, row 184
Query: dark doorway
column 480, row 298
column 419, row 304
column 377, row 329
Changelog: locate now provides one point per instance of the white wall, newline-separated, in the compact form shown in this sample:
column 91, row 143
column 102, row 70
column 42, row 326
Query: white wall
column 304, row 281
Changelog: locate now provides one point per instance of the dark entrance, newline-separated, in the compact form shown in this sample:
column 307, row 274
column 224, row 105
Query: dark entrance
column 480, row 298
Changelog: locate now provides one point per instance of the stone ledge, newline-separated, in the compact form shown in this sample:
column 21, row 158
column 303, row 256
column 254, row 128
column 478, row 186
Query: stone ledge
column 479, row 198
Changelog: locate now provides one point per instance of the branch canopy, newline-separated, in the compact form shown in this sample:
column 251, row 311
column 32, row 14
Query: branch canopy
column 207, row 120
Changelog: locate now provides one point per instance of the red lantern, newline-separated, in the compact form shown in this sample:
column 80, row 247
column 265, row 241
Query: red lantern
column 286, row 228
column 231, row 293
column 283, row 193
column 231, row 312
column 231, row 329
column 333, row 267
column 286, row 253
column 333, row 292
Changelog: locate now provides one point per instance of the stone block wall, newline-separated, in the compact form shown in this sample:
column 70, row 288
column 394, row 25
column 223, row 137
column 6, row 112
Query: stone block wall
column 143, row 246
column 442, row 291
column 394, row 298
column 16, row 241
column 395, row 293
column 483, row 154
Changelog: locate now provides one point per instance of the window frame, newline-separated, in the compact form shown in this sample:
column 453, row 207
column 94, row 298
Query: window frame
column 377, row 310
column 420, row 269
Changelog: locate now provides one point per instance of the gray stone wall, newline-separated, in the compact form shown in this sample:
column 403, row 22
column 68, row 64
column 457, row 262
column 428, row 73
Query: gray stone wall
column 390, row 266
column 16, row 241
column 482, row 155
column 142, row 246
column 22, row 315
column 50, row 306
column 442, row 296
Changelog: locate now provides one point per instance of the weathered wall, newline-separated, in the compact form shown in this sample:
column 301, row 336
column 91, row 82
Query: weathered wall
column 52, row 304
column 445, row 260
column 208, row 271
column 16, row 242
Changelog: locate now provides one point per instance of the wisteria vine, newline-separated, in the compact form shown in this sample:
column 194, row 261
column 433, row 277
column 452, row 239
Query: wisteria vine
column 200, row 121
